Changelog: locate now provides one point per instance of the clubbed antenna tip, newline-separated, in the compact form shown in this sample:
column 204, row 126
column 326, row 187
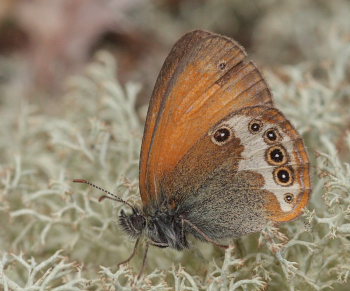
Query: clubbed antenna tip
column 80, row 181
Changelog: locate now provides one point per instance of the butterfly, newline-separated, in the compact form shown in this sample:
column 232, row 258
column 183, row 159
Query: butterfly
column 218, row 160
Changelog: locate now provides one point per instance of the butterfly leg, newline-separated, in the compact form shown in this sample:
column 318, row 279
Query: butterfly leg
column 143, row 262
column 132, row 254
column 182, row 229
column 207, row 238
column 157, row 244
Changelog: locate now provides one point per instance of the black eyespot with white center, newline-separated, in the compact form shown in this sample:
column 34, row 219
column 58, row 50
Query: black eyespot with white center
column 276, row 155
column 283, row 176
column 272, row 136
column 255, row 126
column 222, row 65
column 222, row 135
column 289, row 197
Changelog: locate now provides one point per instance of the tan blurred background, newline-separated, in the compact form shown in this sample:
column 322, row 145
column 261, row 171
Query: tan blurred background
column 43, row 42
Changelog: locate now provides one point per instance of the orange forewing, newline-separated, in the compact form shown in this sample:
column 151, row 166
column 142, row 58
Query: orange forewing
column 204, row 78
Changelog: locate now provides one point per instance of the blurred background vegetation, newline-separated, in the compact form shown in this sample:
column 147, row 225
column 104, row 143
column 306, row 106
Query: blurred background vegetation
column 69, row 109
column 42, row 43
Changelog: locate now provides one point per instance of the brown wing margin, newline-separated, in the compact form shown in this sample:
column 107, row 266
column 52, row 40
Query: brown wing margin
column 202, row 80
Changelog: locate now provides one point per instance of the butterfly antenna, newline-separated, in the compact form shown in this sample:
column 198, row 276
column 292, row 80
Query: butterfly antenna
column 109, row 195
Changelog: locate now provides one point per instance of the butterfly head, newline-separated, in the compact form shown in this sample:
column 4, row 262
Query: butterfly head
column 133, row 224
column 162, row 228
